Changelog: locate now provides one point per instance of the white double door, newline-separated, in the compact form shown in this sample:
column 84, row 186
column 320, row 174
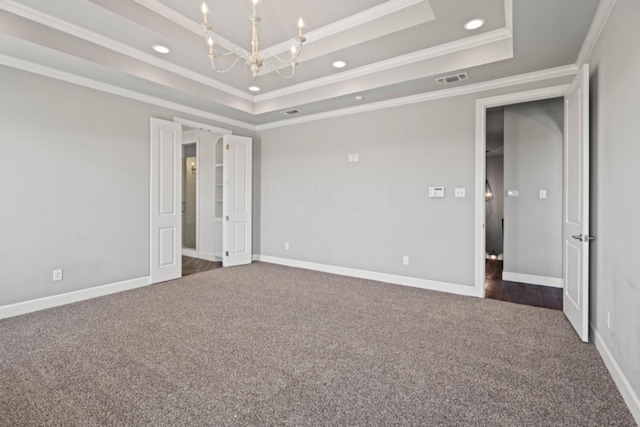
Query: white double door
column 166, row 200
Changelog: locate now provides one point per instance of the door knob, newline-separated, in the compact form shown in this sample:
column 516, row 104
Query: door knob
column 583, row 237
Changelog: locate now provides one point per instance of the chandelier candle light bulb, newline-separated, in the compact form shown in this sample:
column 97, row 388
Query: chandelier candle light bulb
column 253, row 60
column 205, row 14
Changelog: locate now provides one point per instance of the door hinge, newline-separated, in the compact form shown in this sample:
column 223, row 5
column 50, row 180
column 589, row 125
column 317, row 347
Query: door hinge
column 226, row 218
column 226, row 253
column 227, row 146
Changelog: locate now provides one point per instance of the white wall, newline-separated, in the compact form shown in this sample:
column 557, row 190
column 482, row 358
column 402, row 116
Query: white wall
column 83, row 201
column 615, row 205
column 533, row 135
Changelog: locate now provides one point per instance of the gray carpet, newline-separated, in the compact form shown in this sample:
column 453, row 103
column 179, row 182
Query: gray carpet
column 271, row 345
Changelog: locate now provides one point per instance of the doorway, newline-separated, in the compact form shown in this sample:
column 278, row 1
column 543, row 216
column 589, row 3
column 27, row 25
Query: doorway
column 575, row 194
column 523, row 188
column 189, row 197
column 220, row 218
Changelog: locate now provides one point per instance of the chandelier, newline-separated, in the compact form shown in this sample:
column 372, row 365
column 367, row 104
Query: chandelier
column 253, row 59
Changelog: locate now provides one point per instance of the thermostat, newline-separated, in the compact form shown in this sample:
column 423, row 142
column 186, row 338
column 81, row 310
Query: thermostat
column 436, row 191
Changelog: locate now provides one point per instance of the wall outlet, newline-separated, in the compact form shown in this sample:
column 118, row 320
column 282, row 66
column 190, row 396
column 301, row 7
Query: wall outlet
column 57, row 275
column 286, row 246
column 405, row 260
column 543, row 194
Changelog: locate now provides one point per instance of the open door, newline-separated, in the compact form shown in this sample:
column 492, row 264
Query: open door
column 166, row 196
column 576, row 210
column 237, row 176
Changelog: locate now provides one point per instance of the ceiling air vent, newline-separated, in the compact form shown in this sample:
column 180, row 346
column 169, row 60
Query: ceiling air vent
column 452, row 78
column 291, row 112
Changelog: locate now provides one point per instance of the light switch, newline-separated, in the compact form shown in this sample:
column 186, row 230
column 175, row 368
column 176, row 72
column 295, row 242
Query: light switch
column 543, row 194
column 350, row 157
column 436, row 191
column 512, row 193
column 461, row 192
column 355, row 157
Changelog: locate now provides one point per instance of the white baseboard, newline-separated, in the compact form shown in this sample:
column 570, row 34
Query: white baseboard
column 629, row 395
column 25, row 307
column 208, row 257
column 553, row 282
column 191, row 253
column 200, row 255
column 372, row 275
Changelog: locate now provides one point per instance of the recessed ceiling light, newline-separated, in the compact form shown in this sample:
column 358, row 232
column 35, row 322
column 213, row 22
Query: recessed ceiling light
column 254, row 88
column 160, row 48
column 474, row 24
column 339, row 64
column 359, row 98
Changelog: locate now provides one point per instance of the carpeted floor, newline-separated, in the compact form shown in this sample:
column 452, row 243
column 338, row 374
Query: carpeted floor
column 270, row 345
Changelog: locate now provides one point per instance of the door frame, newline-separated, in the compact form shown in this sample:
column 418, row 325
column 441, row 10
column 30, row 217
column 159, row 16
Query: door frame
column 189, row 139
column 481, row 166
column 177, row 170
column 196, row 126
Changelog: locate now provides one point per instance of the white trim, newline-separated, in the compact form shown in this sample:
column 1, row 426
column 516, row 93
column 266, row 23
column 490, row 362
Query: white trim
column 202, row 126
column 116, row 90
column 567, row 70
column 208, row 257
column 116, row 46
column 481, row 106
column 191, row 253
column 25, row 307
column 629, row 395
column 178, row 18
column 371, row 275
column 398, row 61
column 532, row 279
column 377, row 12
column 508, row 15
column 605, row 7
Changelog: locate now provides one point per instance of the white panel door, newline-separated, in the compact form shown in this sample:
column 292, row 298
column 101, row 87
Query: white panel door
column 576, row 210
column 236, row 225
column 166, row 196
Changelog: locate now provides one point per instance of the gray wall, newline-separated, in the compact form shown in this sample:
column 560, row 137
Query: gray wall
column 533, row 134
column 75, row 186
column 494, row 209
column 615, row 154
column 368, row 215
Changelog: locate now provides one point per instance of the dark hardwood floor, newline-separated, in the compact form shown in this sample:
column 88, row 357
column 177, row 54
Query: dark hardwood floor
column 194, row 265
column 519, row 293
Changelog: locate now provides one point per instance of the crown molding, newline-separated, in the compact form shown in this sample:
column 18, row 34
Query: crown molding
column 551, row 73
column 364, row 17
column 178, row 18
column 605, row 8
column 116, row 90
column 410, row 58
column 567, row 70
column 508, row 15
column 116, row 46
